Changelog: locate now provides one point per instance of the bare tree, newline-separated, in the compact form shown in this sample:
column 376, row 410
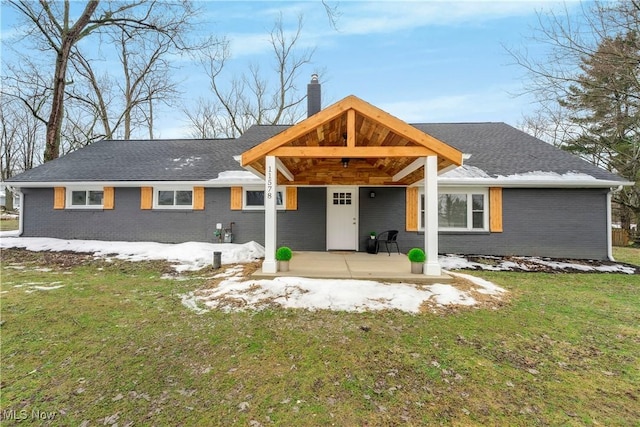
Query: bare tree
column 20, row 138
column 549, row 123
column 79, row 128
column 206, row 120
column 52, row 28
column 28, row 84
column 253, row 97
column 94, row 93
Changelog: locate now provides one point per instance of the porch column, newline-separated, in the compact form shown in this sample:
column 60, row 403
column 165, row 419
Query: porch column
column 431, row 265
column 270, row 264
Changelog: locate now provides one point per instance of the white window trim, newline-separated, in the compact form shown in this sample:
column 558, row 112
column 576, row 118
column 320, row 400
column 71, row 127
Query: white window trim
column 469, row 191
column 281, row 190
column 174, row 189
column 69, row 197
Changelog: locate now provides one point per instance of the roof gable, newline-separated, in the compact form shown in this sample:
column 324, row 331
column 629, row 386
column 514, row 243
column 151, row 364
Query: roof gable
column 350, row 142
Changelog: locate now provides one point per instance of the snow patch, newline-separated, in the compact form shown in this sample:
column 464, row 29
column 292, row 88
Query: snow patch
column 521, row 263
column 552, row 176
column 465, row 171
column 184, row 162
column 47, row 288
column 235, row 176
column 331, row 294
column 185, row 256
column 486, row 287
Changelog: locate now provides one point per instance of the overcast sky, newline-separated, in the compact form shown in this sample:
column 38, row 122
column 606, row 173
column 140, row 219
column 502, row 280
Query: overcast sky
column 435, row 61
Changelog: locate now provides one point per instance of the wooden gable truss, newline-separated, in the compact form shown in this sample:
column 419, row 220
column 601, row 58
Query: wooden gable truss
column 351, row 143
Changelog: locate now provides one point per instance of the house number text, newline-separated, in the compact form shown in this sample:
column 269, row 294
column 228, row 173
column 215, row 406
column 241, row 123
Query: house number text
column 269, row 183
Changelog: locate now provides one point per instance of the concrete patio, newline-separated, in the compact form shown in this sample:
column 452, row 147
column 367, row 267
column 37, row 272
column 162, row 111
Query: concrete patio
column 352, row 265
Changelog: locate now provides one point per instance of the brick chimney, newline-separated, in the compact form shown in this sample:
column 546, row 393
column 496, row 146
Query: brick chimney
column 314, row 98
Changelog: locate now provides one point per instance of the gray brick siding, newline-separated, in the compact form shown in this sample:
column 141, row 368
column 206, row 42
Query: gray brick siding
column 537, row 222
column 302, row 229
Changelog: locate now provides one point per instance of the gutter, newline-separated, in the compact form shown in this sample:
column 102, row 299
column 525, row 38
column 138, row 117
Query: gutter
column 532, row 183
column 208, row 184
column 442, row 182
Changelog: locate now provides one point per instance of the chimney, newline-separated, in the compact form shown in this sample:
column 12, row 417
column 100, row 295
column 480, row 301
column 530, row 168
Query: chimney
column 314, row 98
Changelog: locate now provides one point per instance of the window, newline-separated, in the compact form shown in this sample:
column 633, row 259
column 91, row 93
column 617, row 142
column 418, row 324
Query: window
column 459, row 210
column 173, row 199
column 85, row 198
column 254, row 199
column 341, row 198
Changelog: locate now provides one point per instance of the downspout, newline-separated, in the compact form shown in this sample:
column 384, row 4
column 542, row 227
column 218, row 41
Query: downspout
column 610, row 223
column 21, row 214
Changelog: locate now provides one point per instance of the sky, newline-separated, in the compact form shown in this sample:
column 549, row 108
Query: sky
column 422, row 61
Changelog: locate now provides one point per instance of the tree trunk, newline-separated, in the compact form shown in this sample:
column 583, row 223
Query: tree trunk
column 69, row 38
column 54, row 124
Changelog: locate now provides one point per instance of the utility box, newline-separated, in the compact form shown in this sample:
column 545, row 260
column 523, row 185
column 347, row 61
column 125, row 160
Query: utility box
column 217, row 259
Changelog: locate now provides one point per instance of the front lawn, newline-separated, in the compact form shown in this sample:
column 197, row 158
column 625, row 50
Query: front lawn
column 89, row 342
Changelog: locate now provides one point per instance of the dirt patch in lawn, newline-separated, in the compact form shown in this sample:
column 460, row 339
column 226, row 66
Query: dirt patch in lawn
column 60, row 260
column 539, row 264
column 17, row 258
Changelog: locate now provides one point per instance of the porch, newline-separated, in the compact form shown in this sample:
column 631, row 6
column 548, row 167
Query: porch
column 352, row 265
column 351, row 143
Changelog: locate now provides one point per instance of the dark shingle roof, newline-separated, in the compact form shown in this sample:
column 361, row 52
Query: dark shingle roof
column 496, row 148
column 500, row 149
column 144, row 160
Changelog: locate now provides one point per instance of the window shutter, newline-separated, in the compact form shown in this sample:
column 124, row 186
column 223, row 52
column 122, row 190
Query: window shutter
column 292, row 199
column 146, row 198
column 411, row 209
column 108, row 198
column 198, row 198
column 495, row 209
column 236, row 198
column 59, row 194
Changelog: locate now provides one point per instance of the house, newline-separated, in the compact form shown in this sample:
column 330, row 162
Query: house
column 326, row 182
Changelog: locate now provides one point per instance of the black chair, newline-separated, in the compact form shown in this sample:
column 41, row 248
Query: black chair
column 389, row 237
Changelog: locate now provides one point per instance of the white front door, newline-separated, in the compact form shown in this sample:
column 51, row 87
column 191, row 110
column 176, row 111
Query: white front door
column 342, row 218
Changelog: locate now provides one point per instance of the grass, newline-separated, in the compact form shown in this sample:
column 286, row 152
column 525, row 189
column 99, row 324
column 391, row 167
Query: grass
column 629, row 254
column 8, row 224
column 114, row 344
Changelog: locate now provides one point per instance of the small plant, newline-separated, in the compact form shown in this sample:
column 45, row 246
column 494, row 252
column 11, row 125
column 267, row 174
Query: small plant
column 283, row 253
column 372, row 234
column 416, row 255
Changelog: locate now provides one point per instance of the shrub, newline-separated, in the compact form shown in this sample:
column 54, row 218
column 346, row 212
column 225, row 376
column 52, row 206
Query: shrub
column 283, row 253
column 416, row 255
